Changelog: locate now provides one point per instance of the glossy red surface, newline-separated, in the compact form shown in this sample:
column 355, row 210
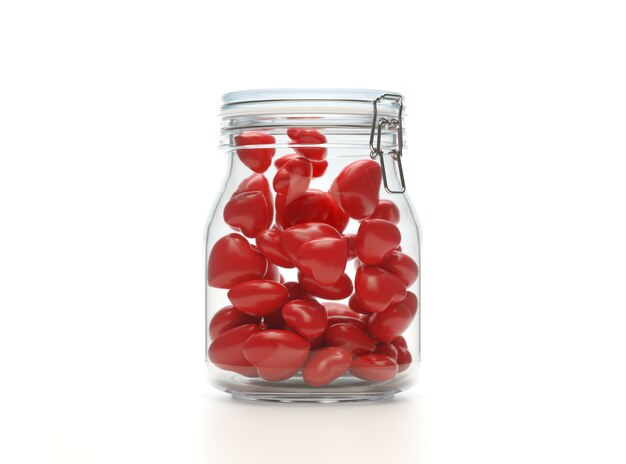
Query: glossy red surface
column 294, row 237
column 293, row 177
column 268, row 242
column 306, row 137
column 402, row 265
column 226, row 351
column 233, row 260
column 325, row 365
column 387, row 349
column 257, row 159
column 228, row 318
column 248, row 212
column 307, row 317
column 324, row 259
column 257, row 183
column 374, row 367
column 356, row 188
column 389, row 324
column 376, row 289
column 337, row 291
column 349, row 337
column 386, row 210
column 276, row 354
column 376, row 238
column 258, row 297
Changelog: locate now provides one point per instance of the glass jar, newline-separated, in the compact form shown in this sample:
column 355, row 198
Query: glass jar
column 312, row 282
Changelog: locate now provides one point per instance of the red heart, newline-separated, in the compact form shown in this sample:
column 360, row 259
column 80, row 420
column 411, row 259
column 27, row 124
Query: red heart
column 308, row 137
column 374, row 367
column 389, row 324
column 257, row 159
column 377, row 289
column 309, row 206
column 248, row 212
column 324, row 259
column 308, row 317
column 258, row 297
column 349, row 337
column 273, row 273
column 258, row 183
column 387, row 349
column 293, row 177
column 356, row 188
column 325, row 365
column 277, row 354
column 233, row 260
column 386, row 210
column 376, row 238
column 228, row 318
column 294, row 237
column 354, row 321
column 404, row 358
column 296, row 292
column 402, row 265
column 337, row 291
column 227, row 350
column 336, row 217
column 319, row 167
column 268, row 242
column 351, row 242
column 340, row 309
column 356, row 306
column 410, row 302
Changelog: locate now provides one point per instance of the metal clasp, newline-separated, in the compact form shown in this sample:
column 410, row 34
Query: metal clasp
column 390, row 124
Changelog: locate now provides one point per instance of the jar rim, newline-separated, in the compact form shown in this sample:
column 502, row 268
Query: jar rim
column 302, row 94
column 277, row 108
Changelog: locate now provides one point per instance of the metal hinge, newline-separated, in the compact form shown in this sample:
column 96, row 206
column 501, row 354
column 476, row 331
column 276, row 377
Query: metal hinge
column 391, row 124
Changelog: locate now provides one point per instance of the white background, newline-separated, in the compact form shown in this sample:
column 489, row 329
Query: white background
column 109, row 168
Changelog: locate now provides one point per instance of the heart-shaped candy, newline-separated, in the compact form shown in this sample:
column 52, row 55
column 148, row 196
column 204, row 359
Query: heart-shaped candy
column 310, row 206
column 248, row 212
column 325, row 365
column 257, row 159
column 277, row 354
column 233, row 260
column 226, row 351
column 307, row 317
column 387, row 349
column 319, row 167
column 376, row 289
column 390, row 323
column 324, row 259
column 374, row 367
column 293, row 178
column 337, row 291
column 308, row 137
column 268, row 242
column 294, row 237
column 357, row 187
column 258, row 183
column 258, row 297
column 228, row 318
column 350, row 338
column 386, row 210
column 402, row 265
column 376, row 238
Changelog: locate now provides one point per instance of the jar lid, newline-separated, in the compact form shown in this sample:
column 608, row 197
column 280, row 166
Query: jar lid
column 319, row 107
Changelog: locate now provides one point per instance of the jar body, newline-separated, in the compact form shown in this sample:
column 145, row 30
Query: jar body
column 312, row 284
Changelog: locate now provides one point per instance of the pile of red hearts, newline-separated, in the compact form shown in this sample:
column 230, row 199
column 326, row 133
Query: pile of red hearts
column 273, row 329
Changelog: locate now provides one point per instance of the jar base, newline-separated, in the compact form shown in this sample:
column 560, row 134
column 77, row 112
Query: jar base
column 312, row 397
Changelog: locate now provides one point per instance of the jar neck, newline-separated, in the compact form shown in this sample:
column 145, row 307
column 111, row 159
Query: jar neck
column 347, row 118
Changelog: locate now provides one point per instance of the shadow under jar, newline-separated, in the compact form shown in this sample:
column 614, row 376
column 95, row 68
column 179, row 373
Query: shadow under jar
column 313, row 250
